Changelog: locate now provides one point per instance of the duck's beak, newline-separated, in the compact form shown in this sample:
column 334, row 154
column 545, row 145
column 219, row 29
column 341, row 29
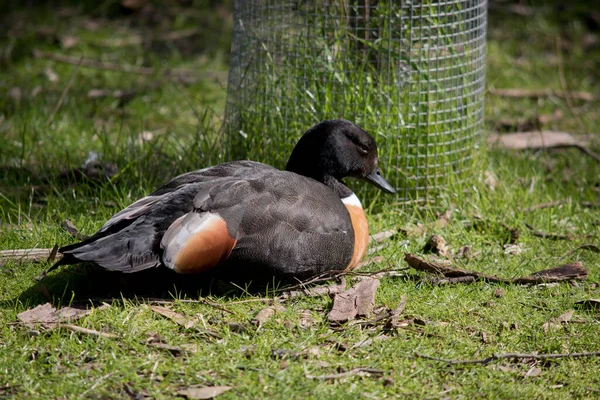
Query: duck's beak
column 376, row 179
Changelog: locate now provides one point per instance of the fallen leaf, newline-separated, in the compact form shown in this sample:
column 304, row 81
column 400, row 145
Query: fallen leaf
column 558, row 322
column 440, row 223
column 437, row 245
column 51, row 75
column 513, row 249
column 533, row 371
column 265, row 314
column 15, row 93
column 179, row 319
column 397, row 312
column 490, row 180
column 197, row 392
column 68, row 41
column 498, row 292
column 306, row 319
column 358, row 300
column 133, row 4
column 590, row 304
column 48, row 316
column 464, row 252
column 534, row 140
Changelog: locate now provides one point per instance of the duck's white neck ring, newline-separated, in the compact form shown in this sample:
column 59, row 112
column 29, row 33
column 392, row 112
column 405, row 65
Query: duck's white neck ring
column 352, row 200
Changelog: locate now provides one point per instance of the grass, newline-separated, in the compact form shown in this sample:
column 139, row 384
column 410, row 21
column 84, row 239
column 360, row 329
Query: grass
column 35, row 363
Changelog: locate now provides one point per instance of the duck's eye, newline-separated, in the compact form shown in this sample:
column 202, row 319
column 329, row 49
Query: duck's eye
column 363, row 149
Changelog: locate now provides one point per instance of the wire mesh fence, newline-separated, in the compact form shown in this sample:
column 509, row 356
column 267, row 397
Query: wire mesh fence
column 409, row 72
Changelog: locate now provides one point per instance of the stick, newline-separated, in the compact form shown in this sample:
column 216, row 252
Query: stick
column 26, row 255
column 551, row 236
column 79, row 329
column 68, row 226
column 354, row 371
column 495, row 357
column 573, row 271
column 534, row 94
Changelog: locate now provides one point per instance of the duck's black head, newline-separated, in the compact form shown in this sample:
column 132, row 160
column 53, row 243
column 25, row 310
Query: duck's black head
column 336, row 149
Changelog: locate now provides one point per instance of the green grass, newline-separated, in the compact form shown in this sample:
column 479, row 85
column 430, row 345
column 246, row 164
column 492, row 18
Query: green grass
column 34, row 201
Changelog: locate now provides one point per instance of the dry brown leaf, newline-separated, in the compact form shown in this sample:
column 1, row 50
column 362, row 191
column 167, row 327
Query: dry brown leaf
column 197, row 392
column 397, row 312
column 490, row 180
column 533, row 140
column 440, row 223
column 464, row 252
column 306, row 319
column 437, row 245
column 265, row 314
column 49, row 316
column 558, row 322
column 358, row 300
column 590, row 303
column 179, row 319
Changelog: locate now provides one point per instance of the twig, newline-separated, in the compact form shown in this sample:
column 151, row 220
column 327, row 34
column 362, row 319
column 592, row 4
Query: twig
column 26, row 255
column 199, row 301
column 316, row 291
column 588, row 246
column 354, row 371
column 64, row 93
column 495, row 357
column 551, row 236
column 68, row 226
column 533, row 94
column 79, row 329
column 573, row 271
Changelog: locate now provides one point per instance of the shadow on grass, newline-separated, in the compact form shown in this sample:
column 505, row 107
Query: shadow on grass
column 89, row 284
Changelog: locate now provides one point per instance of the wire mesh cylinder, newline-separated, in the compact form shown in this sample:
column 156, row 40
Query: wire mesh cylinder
column 409, row 72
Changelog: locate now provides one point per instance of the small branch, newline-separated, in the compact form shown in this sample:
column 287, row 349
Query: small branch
column 551, row 236
column 534, row 94
column 573, row 271
column 354, row 371
column 68, row 226
column 316, row 291
column 64, row 93
column 494, row 357
column 26, row 255
column 79, row 329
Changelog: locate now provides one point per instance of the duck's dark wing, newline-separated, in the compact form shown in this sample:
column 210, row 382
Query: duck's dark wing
column 130, row 240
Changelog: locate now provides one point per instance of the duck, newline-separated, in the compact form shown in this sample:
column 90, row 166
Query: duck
column 246, row 218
